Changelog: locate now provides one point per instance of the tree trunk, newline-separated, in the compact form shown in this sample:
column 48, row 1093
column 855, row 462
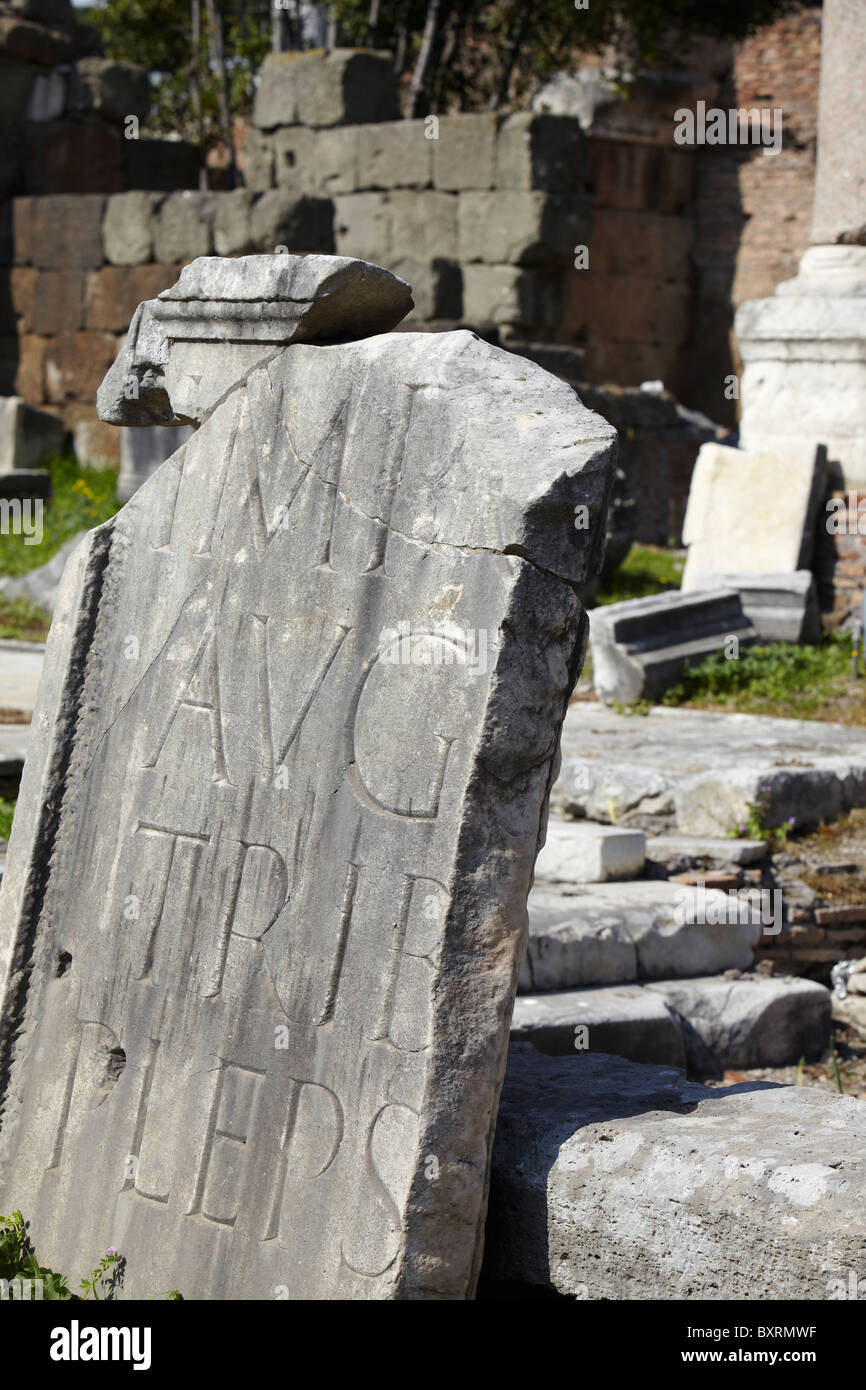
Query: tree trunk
column 218, row 61
column 418, row 89
column 195, row 83
column 515, row 40
column 372, row 24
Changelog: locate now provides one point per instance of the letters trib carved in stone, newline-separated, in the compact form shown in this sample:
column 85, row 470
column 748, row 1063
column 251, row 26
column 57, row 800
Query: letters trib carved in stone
column 265, row 904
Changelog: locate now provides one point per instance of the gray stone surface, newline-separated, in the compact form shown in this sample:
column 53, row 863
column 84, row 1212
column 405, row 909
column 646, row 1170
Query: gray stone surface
column 583, row 852
column 14, row 745
column 616, row 1181
column 395, row 154
column 183, row 226
column 753, row 1021
column 342, row 87
column 244, row 1066
column 521, row 228
column 640, row 647
column 298, row 222
column 840, row 169
column 464, row 154
column 142, row 450
column 625, row 1021
column 185, row 349
column 40, row 585
column 540, row 151
column 681, row 852
column 128, row 226
column 780, row 607
column 232, row 227
column 694, row 770
column 27, row 435
column 612, row 933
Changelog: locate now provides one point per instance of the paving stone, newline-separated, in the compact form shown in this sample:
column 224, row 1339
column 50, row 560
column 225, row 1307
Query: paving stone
column 583, row 852
column 616, row 1181
column 686, row 851
column 610, row 933
column 625, row 1021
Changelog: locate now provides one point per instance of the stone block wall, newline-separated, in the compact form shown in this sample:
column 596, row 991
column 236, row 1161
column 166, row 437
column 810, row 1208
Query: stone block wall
column 77, row 266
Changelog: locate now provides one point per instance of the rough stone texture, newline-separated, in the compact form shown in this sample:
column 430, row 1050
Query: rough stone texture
column 300, row 224
column 707, row 1024
column 694, row 770
column 640, row 647
column 283, row 788
column 112, row 294
column 522, row 303
column 840, row 171
column 343, row 87
column 751, row 1022
column 582, row 852
column 678, row 852
column 27, row 435
column 616, row 1181
column 804, row 351
column 774, row 533
column 521, row 228
column 143, row 450
column 127, row 228
column 395, row 154
column 540, row 151
column 66, row 232
column 780, row 607
column 183, row 226
column 464, row 155
column 626, row 1021
column 232, row 228
column 362, row 227
column 185, row 349
column 614, row 933
column 58, row 302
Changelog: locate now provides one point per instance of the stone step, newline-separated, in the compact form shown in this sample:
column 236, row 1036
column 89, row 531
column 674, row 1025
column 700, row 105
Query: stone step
column 585, row 852
column 707, row 1024
column 614, row 1181
column 693, row 771
column 616, row 933
column 780, row 607
column 677, row 853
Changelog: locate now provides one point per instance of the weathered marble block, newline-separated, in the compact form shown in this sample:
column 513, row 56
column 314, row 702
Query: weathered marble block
column 265, row 902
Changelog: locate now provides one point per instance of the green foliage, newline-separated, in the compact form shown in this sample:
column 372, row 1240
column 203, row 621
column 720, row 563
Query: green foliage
column 7, row 811
column 157, row 34
column 780, row 677
column 18, row 1263
column 83, row 497
column 646, row 570
column 22, row 620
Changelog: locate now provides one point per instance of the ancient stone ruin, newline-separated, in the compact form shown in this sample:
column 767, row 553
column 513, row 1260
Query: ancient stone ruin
column 265, row 902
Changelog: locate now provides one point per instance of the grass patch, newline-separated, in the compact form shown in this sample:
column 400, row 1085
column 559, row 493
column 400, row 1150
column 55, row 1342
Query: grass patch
column 646, row 570
column 21, row 619
column 83, row 498
column 779, row 679
column 7, row 811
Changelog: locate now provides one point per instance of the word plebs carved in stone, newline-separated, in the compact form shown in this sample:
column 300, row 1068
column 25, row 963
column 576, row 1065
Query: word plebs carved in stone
column 287, row 876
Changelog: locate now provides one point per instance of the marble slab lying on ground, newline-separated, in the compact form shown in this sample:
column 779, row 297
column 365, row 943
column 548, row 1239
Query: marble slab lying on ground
column 610, row 933
column 780, row 607
column 577, row 851
column 617, row 1181
column 266, row 890
column 640, row 647
column 751, row 511
column 20, row 670
column 693, row 771
column 40, row 585
column 720, row 1021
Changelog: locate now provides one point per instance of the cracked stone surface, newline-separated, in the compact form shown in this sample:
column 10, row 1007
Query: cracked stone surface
column 618, row 1181
column 265, row 899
